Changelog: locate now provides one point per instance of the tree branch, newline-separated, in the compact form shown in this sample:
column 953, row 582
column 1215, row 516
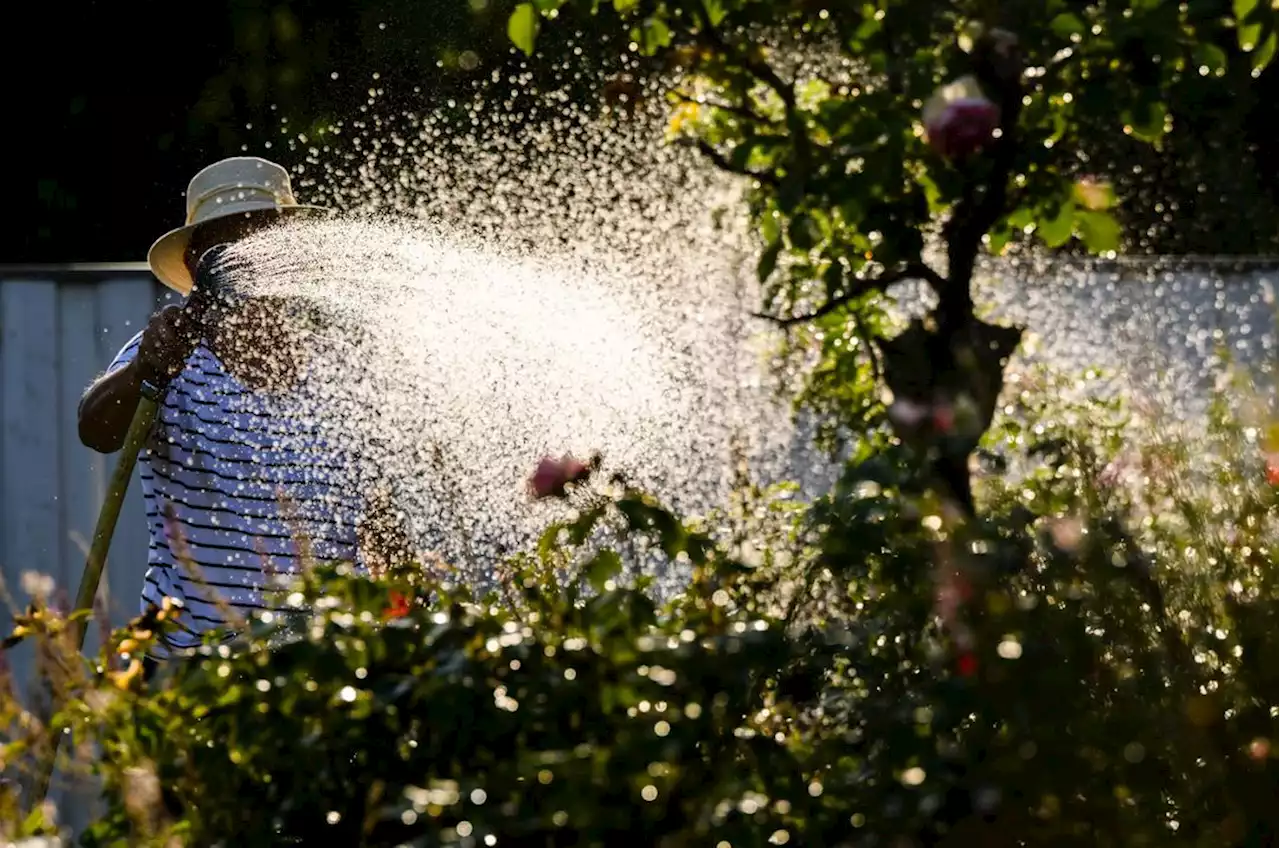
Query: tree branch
column 909, row 271
column 722, row 162
column 998, row 67
column 742, row 111
column 762, row 71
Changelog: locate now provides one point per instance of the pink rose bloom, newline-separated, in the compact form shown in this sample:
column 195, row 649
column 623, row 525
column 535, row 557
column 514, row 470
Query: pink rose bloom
column 959, row 119
column 552, row 476
column 907, row 414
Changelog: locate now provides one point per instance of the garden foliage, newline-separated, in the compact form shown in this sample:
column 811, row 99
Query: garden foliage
column 1015, row 619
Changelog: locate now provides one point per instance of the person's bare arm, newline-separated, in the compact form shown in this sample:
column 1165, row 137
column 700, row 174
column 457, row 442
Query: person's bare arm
column 108, row 405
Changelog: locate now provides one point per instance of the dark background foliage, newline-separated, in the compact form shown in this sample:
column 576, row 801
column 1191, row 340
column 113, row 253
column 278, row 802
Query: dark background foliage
column 111, row 107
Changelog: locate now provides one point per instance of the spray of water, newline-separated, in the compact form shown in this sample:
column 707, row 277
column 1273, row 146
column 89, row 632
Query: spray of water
column 1165, row 332
column 518, row 275
column 495, row 290
column 441, row 368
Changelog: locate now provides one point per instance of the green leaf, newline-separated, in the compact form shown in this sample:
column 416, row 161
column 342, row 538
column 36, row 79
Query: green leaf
column 522, row 27
column 652, row 35
column 622, row 7
column 1019, row 218
column 932, row 194
column 604, row 566
column 1092, row 194
column 1211, row 56
column 1066, row 25
column 1099, row 230
column 768, row 260
column 998, row 239
column 35, row 820
column 1263, row 55
column 549, row 541
column 768, row 223
column 1248, row 23
column 1056, row 231
column 869, row 27
column 1146, row 120
column 715, row 11
column 852, row 210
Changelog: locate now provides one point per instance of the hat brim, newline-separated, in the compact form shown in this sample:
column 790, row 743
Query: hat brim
column 167, row 256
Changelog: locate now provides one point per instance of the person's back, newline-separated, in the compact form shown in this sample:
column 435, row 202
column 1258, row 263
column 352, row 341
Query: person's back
column 232, row 486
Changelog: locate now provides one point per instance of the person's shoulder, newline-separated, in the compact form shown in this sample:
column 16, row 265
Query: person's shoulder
column 204, row 379
column 127, row 353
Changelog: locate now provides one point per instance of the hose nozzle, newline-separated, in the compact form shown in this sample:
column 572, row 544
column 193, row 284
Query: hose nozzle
column 211, row 285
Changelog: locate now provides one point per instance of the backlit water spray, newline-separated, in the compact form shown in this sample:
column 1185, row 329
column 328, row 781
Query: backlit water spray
column 443, row 367
column 518, row 276
column 492, row 292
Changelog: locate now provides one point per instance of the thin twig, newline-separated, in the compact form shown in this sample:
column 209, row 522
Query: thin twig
column 722, row 162
column 742, row 111
column 909, row 271
column 762, row 71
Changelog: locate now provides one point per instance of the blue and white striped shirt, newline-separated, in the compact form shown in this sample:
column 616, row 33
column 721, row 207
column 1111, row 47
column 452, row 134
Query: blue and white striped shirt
column 242, row 481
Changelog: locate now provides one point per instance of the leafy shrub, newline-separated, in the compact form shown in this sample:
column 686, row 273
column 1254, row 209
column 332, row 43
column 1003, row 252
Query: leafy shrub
column 1092, row 661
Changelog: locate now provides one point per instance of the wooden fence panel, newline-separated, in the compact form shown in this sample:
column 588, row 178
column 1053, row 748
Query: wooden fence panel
column 82, row 469
column 29, row 439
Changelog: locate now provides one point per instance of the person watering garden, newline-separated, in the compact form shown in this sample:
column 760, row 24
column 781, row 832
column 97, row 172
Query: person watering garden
column 229, row 480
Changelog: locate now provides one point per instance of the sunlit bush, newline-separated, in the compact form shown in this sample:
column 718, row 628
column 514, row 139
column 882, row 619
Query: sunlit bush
column 1054, row 629
column 1093, row 661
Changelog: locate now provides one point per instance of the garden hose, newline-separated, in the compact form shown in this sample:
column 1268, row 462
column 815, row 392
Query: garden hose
column 144, row 418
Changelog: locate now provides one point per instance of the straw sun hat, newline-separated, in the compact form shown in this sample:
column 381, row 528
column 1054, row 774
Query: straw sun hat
column 242, row 185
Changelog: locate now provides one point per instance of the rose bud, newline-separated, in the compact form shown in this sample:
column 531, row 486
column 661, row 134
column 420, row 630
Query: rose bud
column 1273, row 469
column 552, row 476
column 959, row 119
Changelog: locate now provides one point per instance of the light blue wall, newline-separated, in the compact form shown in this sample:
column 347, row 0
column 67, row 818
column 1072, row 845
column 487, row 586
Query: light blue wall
column 59, row 328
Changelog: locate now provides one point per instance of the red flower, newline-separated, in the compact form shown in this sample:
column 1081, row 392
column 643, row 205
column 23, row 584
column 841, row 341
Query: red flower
column 398, row 606
column 959, row 120
column 967, row 664
column 552, row 476
column 944, row 418
column 1273, row 469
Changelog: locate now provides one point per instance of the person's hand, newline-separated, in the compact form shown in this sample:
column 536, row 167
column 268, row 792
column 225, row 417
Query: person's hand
column 170, row 337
